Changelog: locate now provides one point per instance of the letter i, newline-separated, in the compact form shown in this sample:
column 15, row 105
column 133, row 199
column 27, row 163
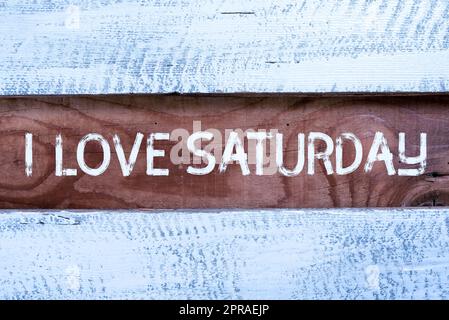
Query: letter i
column 28, row 154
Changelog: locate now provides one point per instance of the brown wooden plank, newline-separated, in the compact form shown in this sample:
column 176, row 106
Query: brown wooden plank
column 74, row 117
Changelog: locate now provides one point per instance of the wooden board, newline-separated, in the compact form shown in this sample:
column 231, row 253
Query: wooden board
column 133, row 46
column 75, row 117
column 313, row 254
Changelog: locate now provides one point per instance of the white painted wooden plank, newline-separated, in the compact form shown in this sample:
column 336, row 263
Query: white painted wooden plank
column 210, row 46
column 345, row 253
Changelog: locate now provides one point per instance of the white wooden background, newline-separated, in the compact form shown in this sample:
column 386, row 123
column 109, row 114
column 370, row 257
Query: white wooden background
column 213, row 46
column 267, row 254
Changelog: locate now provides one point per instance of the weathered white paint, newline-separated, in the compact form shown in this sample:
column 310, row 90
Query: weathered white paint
column 106, row 154
column 200, row 153
column 152, row 153
column 340, row 170
column 324, row 155
column 59, row 157
column 345, row 254
column 127, row 166
column 28, row 154
column 132, row 46
column 239, row 156
column 385, row 155
column 379, row 151
column 421, row 159
column 280, row 156
column 259, row 137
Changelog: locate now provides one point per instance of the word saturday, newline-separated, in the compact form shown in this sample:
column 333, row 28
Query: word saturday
column 234, row 151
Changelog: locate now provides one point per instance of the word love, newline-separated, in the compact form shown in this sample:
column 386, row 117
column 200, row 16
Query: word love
column 234, row 151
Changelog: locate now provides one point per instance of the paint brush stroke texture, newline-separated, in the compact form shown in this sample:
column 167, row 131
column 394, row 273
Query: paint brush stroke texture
column 344, row 253
column 213, row 46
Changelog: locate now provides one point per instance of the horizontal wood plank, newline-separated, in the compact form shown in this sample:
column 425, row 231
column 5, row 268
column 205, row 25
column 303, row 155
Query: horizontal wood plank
column 267, row 254
column 125, row 116
column 132, row 46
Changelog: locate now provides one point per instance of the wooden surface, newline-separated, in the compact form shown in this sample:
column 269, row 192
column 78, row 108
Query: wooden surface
column 230, row 46
column 74, row 117
column 223, row 46
column 338, row 254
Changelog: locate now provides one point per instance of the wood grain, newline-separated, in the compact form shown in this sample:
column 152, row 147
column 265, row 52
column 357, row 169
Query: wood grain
column 74, row 117
column 268, row 254
column 133, row 46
